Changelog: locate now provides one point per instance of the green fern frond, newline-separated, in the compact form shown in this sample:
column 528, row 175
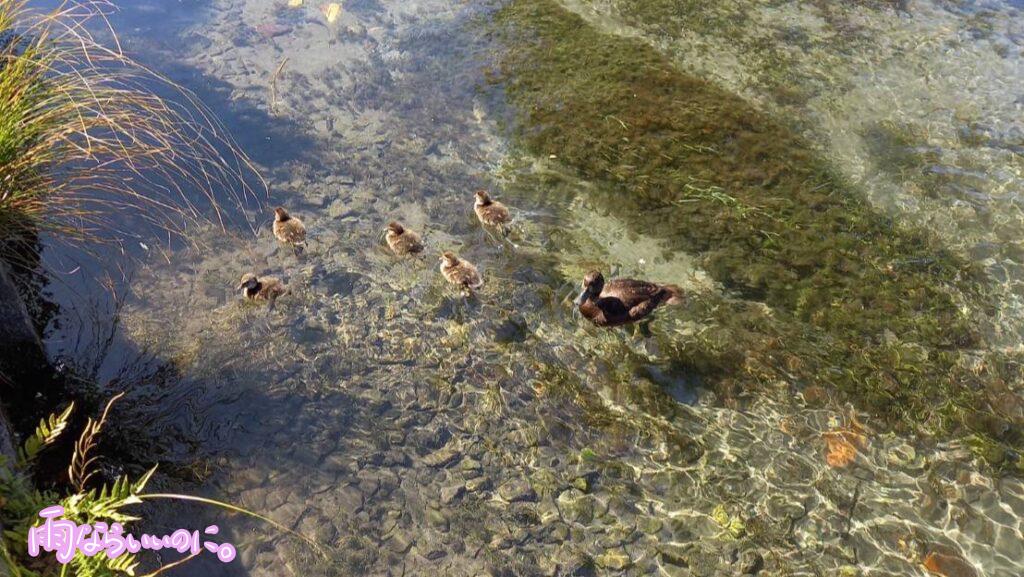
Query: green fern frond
column 11, row 565
column 103, row 566
column 17, row 535
column 106, row 504
column 143, row 480
column 46, row 433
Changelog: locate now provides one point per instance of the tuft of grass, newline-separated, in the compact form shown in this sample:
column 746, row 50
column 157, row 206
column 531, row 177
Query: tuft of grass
column 87, row 141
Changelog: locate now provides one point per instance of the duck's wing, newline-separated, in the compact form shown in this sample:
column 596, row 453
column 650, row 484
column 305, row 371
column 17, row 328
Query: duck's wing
column 644, row 308
column 456, row 274
column 631, row 292
column 500, row 212
column 413, row 242
column 296, row 232
column 272, row 288
column 492, row 214
column 469, row 276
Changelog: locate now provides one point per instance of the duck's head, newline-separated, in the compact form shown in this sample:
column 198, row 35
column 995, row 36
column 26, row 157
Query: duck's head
column 248, row 282
column 593, row 284
column 281, row 214
column 449, row 259
column 395, row 228
column 482, row 198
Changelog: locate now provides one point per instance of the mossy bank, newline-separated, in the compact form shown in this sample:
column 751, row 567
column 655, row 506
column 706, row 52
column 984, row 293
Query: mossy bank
column 859, row 307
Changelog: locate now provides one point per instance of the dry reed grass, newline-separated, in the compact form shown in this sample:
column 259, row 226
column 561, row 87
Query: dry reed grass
column 88, row 142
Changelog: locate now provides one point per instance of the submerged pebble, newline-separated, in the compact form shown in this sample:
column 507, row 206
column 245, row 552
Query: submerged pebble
column 270, row 30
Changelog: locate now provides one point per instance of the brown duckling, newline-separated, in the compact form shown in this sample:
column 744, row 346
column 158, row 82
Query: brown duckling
column 402, row 240
column 491, row 212
column 289, row 229
column 623, row 300
column 265, row 289
column 460, row 272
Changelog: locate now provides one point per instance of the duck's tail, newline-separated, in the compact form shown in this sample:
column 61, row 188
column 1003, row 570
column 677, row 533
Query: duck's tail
column 676, row 296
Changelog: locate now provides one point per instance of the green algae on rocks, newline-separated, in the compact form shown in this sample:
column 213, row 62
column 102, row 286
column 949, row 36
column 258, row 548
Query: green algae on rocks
column 881, row 314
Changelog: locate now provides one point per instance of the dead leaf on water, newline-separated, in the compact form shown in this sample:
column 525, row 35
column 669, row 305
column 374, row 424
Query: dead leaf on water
column 786, row 425
column 842, row 447
column 331, row 12
column 948, row 565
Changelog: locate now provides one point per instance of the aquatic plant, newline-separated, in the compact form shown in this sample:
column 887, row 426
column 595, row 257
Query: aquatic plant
column 22, row 502
column 89, row 138
column 878, row 313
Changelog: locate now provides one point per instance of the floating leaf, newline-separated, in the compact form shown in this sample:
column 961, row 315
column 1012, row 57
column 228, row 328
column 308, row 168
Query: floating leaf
column 720, row 515
column 842, row 447
column 948, row 565
column 732, row 525
column 332, row 11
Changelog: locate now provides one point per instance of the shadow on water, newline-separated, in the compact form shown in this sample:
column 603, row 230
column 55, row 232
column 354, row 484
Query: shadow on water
column 87, row 287
column 298, row 413
column 92, row 282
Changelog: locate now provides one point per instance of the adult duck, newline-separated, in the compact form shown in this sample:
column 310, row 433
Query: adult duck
column 622, row 301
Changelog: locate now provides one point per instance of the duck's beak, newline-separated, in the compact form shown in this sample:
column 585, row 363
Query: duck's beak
column 582, row 297
column 240, row 286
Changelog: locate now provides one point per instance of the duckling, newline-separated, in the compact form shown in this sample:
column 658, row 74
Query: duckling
column 460, row 272
column 265, row 289
column 402, row 240
column 623, row 300
column 491, row 212
column 289, row 229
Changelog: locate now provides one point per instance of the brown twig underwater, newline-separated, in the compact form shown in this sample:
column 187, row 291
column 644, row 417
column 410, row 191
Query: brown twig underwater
column 273, row 86
column 79, row 471
column 317, row 547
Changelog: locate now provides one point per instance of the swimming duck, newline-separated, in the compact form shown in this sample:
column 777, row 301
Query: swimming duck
column 265, row 289
column 622, row 301
column 491, row 212
column 460, row 272
column 402, row 240
column 289, row 229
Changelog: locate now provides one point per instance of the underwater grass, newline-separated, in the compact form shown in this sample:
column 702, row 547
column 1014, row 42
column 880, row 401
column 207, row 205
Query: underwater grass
column 879, row 314
column 87, row 141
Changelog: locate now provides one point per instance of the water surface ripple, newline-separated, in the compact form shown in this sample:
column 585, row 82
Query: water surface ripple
column 417, row 432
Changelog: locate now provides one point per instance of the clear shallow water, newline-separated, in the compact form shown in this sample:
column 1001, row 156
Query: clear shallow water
column 414, row 432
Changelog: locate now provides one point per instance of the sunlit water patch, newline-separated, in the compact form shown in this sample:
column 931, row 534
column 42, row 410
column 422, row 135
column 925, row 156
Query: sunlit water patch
column 919, row 102
column 415, row 431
